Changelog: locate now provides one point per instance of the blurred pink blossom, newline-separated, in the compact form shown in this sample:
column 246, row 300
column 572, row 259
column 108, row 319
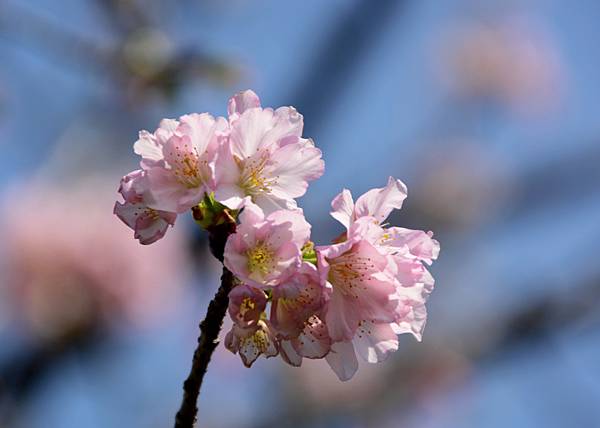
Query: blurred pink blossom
column 509, row 60
column 66, row 262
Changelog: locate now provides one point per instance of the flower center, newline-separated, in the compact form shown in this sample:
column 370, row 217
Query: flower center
column 348, row 273
column 260, row 259
column 253, row 179
column 187, row 166
column 247, row 306
column 260, row 339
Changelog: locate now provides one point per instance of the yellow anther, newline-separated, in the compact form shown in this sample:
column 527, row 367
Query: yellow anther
column 260, row 259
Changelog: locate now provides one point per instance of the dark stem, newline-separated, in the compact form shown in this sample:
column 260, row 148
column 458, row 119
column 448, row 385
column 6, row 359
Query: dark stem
column 207, row 342
column 209, row 331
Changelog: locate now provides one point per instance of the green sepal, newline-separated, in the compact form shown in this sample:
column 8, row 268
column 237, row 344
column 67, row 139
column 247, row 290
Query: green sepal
column 210, row 213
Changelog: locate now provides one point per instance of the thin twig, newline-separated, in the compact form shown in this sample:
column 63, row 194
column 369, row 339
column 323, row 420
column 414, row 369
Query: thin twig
column 210, row 327
column 207, row 342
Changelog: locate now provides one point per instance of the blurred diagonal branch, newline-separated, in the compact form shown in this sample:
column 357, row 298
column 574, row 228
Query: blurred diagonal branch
column 144, row 57
column 332, row 66
column 22, row 25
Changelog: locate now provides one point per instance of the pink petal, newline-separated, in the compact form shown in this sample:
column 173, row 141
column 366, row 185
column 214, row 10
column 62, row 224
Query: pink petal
column 343, row 208
column 270, row 203
column 341, row 317
column 380, row 202
column 168, row 194
column 342, row 360
column 149, row 225
column 292, row 221
column 227, row 178
column 314, row 341
column 419, row 243
column 295, row 300
column 289, row 354
column 375, row 341
column 251, row 342
column 287, row 123
column 241, row 102
column 149, row 146
column 133, row 186
column 203, row 130
column 248, row 131
column 294, row 165
column 252, row 214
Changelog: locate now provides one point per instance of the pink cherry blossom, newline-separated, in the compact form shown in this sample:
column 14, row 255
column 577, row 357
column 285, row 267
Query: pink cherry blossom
column 179, row 160
column 246, row 305
column 353, row 297
column 266, row 157
column 361, row 282
column 265, row 251
column 251, row 342
column 149, row 224
column 400, row 253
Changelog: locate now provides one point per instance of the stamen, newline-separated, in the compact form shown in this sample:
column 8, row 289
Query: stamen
column 260, row 259
column 348, row 273
column 186, row 166
column 253, row 179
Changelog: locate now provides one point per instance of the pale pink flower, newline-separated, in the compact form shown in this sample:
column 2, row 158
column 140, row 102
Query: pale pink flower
column 266, row 157
column 246, row 305
column 408, row 248
column 360, row 279
column 265, row 251
column 179, row 160
column 397, row 252
column 251, row 342
column 149, row 224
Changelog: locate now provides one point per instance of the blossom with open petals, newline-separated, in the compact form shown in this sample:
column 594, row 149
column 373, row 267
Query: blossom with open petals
column 149, row 224
column 362, row 287
column 401, row 253
column 266, row 250
column 251, row 342
column 179, row 160
column 265, row 157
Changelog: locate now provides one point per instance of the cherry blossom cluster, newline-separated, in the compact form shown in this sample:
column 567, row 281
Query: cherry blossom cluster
column 291, row 298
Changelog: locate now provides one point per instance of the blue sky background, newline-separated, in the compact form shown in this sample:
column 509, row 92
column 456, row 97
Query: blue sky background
column 512, row 197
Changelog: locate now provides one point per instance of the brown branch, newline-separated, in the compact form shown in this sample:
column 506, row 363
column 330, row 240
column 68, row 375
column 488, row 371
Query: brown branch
column 207, row 342
column 209, row 329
